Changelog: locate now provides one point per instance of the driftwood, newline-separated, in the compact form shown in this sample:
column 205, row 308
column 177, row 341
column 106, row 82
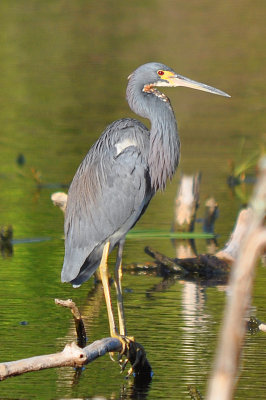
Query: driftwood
column 204, row 266
column 223, row 380
column 187, row 203
column 75, row 356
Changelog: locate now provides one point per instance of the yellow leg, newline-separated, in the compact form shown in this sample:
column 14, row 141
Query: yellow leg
column 128, row 343
column 106, row 288
column 118, row 286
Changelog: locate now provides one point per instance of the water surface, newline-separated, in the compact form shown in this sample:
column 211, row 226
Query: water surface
column 64, row 68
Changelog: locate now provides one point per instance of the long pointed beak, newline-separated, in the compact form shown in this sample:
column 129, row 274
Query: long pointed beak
column 179, row 80
column 183, row 81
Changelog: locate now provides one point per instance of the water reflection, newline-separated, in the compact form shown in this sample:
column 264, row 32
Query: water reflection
column 195, row 320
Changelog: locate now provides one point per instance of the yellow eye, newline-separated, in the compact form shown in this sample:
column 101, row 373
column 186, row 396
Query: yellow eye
column 160, row 72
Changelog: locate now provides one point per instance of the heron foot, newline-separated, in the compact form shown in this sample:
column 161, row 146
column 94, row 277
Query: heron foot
column 132, row 352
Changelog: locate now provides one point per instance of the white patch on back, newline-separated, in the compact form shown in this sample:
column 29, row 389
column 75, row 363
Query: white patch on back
column 124, row 144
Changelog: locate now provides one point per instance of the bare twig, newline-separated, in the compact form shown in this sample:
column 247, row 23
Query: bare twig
column 223, row 380
column 80, row 328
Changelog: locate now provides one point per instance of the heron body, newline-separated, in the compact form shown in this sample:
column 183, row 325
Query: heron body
column 122, row 171
column 118, row 177
column 114, row 187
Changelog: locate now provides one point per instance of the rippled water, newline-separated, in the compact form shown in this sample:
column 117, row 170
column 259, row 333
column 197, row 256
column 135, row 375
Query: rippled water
column 63, row 76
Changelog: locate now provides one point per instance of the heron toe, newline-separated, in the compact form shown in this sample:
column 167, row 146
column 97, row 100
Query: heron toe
column 133, row 353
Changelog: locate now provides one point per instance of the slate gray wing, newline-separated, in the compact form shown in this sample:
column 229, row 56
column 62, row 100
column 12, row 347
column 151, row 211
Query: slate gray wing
column 106, row 198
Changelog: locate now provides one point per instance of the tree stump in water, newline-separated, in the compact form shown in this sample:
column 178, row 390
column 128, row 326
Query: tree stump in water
column 187, row 203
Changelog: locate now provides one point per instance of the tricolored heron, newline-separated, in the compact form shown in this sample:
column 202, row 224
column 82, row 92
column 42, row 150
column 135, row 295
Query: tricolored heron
column 118, row 177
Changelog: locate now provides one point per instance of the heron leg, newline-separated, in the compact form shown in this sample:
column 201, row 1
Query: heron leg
column 132, row 350
column 118, row 287
column 106, row 289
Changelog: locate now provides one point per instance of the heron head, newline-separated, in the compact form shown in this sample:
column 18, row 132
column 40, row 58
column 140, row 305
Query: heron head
column 156, row 74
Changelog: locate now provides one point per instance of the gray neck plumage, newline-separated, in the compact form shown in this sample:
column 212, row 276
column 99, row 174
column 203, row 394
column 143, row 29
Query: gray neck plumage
column 164, row 140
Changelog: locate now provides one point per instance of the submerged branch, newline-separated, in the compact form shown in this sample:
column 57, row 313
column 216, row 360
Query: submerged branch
column 204, row 265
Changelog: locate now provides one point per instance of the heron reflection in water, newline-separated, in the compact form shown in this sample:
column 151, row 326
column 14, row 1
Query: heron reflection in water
column 117, row 179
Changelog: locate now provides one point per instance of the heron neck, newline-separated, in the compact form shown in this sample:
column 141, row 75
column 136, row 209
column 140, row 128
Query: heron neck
column 164, row 145
column 164, row 140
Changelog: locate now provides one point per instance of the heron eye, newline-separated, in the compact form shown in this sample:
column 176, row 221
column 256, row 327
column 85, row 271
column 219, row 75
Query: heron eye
column 160, row 72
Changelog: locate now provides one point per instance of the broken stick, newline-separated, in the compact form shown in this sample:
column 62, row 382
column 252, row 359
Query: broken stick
column 80, row 328
column 223, row 381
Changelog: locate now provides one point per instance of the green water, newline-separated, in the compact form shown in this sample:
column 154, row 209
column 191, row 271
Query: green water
column 63, row 74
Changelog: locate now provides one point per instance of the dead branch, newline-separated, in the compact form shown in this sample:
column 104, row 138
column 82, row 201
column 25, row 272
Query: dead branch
column 75, row 356
column 168, row 262
column 230, row 251
column 71, row 356
column 223, row 380
column 60, row 199
column 204, row 265
column 187, row 202
column 80, row 328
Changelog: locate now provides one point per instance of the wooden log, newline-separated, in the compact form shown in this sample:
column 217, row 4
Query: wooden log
column 223, row 380
column 204, row 265
column 187, row 203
